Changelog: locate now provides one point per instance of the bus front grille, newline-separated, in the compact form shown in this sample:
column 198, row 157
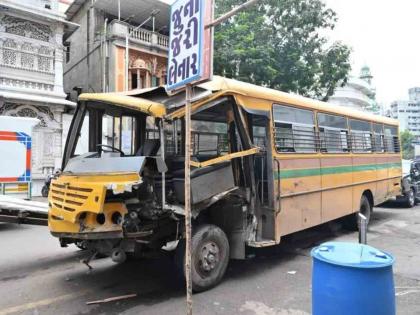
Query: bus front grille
column 68, row 197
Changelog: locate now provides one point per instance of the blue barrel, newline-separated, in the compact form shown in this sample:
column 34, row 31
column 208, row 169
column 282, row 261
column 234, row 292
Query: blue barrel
column 352, row 279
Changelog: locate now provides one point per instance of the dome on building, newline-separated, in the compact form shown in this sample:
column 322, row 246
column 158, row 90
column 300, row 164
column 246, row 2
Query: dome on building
column 357, row 93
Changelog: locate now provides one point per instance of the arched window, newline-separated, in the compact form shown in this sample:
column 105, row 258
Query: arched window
column 9, row 52
column 27, row 60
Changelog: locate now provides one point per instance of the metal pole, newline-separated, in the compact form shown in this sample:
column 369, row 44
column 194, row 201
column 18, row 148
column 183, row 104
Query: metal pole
column 119, row 10
column 127, row 34
column 162, row 150
column 104, row 50
column 187, row 198
column 232, row 12
column 126, row 59
column 362, row 229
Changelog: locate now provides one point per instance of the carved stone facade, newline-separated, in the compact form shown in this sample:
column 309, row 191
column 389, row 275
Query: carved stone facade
column 146, row 70
column 31, row 77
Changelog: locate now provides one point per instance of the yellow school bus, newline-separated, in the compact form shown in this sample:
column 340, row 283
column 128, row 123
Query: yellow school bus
column 264, row 164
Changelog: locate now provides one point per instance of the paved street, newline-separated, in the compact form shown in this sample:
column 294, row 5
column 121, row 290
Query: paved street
column 39, row 277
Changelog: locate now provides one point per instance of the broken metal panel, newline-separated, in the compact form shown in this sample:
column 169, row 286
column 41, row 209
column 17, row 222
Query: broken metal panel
column 205, row 182
column 92, row 165
column 226, row 157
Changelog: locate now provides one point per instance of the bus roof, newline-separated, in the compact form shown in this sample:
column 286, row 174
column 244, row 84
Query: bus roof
column 135, row 103
column 257, row 92
column 155, row 101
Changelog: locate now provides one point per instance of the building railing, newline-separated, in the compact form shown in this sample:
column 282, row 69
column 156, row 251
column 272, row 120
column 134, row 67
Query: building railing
column 163, row 40
column 149, row 37
column 141, row 34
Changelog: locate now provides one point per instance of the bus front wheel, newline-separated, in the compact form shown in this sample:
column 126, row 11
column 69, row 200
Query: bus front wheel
column 209, row 257
column 352, row 222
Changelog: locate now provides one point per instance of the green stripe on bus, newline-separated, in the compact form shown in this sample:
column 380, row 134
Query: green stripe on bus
column 334, row 170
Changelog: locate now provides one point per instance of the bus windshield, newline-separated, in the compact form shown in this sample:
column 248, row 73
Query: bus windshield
column 104, row 128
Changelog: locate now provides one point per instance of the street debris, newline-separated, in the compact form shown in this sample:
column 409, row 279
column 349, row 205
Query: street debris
column 112, row 299
column 292, row 272
column 88, row 259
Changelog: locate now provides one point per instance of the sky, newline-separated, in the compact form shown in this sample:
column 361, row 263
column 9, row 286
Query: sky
column 385, row 35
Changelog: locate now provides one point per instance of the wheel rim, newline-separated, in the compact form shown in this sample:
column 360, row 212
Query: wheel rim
column 208, row 258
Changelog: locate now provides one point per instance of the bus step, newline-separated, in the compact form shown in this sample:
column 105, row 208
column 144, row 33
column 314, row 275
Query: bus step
column 262, row 243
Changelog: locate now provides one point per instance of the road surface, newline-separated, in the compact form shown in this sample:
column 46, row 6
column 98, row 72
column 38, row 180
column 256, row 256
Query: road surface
column 39, row 277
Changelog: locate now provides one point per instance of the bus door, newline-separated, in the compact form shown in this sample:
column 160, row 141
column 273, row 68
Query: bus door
column 259, row 126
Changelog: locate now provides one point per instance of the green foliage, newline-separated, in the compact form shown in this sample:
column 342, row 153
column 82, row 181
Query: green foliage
column 407, row 139
column 278, row 43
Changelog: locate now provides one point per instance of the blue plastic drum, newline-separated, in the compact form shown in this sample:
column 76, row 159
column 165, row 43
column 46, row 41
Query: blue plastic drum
column 352, row 279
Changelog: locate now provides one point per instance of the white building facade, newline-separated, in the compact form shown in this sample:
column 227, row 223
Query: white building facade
column 408, row 112
column 357, row 93
column 31, row 76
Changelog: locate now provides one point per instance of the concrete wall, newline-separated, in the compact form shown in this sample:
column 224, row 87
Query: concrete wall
column 84, row 69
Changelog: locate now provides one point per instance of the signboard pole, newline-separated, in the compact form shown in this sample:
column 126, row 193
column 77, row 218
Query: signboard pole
column 187, row 192
column 190, row 62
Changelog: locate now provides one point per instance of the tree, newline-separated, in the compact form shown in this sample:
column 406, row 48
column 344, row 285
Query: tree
column 407, row 139
column 279, row 44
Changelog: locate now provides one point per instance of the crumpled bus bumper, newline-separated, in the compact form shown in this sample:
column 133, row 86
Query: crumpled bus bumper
column 77, row 207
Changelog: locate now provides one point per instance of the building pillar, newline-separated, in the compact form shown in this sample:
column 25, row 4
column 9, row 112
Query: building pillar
column 58, row 60
column 148, row 83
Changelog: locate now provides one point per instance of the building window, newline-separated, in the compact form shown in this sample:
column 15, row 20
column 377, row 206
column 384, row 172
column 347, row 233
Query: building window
column 45, row 59
column 10, row 52
column 294, row 129
column 67, row 51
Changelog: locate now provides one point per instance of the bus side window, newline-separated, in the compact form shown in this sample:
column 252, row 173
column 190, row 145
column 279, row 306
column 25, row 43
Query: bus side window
column 259, row 136
column 82, row 145
column 392, row 143
column 378, row 138
column 294, row 129
column 361, row 135
column 128, row 134
column 333, row 133
column 209, row 139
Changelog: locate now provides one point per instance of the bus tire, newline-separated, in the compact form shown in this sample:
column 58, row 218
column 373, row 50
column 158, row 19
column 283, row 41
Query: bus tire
column 352, row 222
column 209, row 257
column 410, row 198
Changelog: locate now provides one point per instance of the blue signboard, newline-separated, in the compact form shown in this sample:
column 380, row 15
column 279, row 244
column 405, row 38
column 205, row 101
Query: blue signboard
column 186, row 42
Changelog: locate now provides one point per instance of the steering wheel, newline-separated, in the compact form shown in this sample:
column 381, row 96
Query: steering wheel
column 113, row 149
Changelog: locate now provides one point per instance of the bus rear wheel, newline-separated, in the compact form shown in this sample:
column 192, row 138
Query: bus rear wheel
column 352, row 222
column 209, row 257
